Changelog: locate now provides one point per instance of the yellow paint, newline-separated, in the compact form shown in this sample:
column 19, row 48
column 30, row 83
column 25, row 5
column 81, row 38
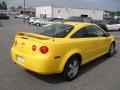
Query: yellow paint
column 88, row 48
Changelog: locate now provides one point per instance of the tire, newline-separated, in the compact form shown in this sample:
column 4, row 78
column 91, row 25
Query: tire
column 119, row 29
column 71, row 69
column 37, row 24
column 111, row 50
column 29, row 23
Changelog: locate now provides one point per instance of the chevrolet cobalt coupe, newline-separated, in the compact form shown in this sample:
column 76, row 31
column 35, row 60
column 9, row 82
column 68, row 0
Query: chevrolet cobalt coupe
column 61, row 48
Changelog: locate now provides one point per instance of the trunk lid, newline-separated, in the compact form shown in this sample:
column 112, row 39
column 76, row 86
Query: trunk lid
column 25, row 41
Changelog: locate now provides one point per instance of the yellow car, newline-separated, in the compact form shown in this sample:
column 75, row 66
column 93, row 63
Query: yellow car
column 61, row 48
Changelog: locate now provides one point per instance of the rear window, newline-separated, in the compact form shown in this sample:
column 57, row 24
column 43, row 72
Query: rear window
column 54, row 30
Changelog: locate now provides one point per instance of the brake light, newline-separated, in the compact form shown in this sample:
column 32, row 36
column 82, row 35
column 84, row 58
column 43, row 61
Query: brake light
column 34, row 47
column 44, row 49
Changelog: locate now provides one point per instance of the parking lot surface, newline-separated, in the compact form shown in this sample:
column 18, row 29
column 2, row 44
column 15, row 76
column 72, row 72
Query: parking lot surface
column 102, row 74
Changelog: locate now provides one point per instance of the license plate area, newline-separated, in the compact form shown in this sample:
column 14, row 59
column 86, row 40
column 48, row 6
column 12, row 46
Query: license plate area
column 20, row 60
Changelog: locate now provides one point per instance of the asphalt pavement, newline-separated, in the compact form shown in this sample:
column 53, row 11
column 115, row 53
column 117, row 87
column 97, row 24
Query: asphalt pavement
column 102, row 74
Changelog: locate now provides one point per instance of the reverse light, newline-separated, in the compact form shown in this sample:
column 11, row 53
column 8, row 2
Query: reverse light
column 44, row 49
column 34, row 47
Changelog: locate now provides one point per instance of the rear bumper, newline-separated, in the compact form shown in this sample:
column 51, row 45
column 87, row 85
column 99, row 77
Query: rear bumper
column 40, row 65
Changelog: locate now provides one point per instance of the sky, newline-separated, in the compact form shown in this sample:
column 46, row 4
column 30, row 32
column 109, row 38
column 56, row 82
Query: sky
column 113, row 5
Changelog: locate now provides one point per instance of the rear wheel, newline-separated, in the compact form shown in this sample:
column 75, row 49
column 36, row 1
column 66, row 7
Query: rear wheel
column 111, row 50
column 38, row 24
column 71, row 69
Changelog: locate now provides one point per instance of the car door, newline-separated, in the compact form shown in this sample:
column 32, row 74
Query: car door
column 110, row 25
column 113, row 25
column 117, row 25
column 101, row 43
column 85, row 43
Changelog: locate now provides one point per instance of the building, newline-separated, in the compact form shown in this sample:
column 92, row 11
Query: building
column 65, row 12
column 28, row 11
column 9, row 12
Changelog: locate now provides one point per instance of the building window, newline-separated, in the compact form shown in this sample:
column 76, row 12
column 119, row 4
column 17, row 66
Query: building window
column 59, row 11
column 43, row 15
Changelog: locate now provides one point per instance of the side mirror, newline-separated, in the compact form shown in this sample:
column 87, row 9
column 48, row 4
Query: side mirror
column 107, row 34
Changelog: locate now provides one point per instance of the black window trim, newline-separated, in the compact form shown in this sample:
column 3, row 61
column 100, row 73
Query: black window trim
column 87, row 37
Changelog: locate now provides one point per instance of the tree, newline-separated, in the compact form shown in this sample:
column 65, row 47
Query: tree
column 4, row 5
column 118, row 13
column 19, row 7
column 112, row 14
column 0, row 6
column 13, row 8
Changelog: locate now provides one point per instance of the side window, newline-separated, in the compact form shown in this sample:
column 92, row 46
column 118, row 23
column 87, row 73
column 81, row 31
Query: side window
column 116, row 22
column 99, row 32
column 79, row 34
column 94, row 31
column 89, row 31
column 119, row 21
column 111, row 22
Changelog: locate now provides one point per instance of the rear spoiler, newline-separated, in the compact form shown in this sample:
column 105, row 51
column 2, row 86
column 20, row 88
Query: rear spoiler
column 32, row 35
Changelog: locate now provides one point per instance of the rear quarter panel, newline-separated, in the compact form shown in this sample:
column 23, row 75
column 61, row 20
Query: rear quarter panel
column 64, row 48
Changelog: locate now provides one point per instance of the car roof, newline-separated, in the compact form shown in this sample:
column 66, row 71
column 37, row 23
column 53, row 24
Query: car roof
column 78, row 23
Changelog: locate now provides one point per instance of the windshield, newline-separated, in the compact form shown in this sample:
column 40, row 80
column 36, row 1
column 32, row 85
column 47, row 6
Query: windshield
column 104, row 22
column 76, row 19
column 34, row 18
column 54, row 30
column 79, row 19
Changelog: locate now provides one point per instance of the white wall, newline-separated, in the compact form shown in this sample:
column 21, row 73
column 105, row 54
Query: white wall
column 68, row 12
column 96, row 14
column 44, row 10
column 63, row 12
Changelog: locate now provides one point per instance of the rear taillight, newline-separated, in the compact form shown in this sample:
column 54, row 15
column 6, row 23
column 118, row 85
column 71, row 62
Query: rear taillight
column 15, row 43
column 44, row 49
column 34, row 47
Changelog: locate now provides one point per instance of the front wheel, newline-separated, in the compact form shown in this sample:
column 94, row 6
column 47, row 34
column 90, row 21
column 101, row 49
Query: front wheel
column 71, row 69
column 111, row 50
column 119, row 29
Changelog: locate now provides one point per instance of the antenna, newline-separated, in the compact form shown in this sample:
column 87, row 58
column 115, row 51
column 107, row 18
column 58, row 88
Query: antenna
column 53, row 38
column 53, row 3
column 53, row 32
column 24, row 11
